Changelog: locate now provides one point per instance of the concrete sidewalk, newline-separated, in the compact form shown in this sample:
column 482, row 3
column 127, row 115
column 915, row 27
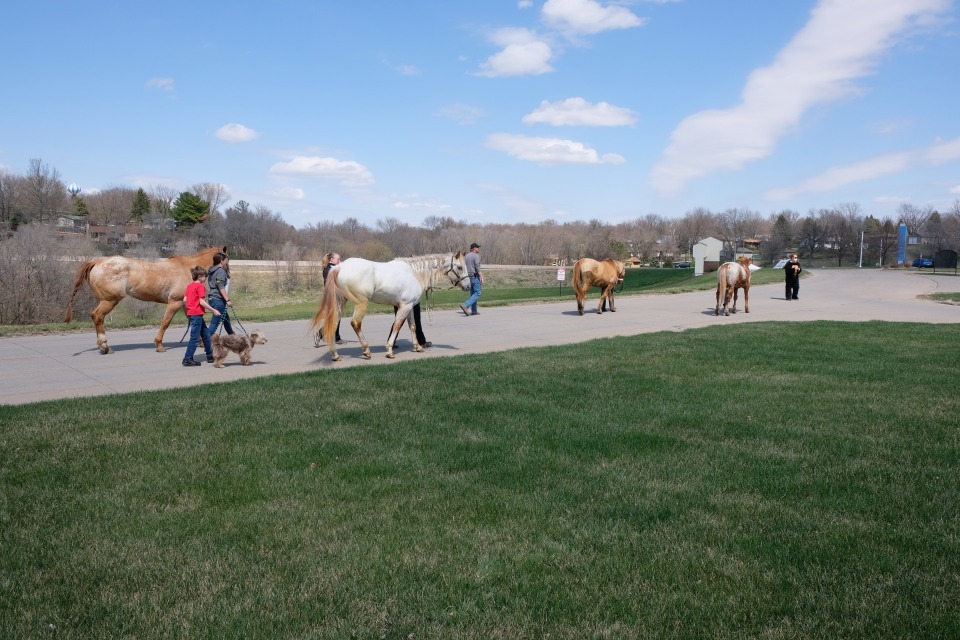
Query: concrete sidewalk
column 36, row 368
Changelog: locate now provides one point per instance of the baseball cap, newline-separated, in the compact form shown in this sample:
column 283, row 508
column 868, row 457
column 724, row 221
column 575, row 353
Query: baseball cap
column 474, row 245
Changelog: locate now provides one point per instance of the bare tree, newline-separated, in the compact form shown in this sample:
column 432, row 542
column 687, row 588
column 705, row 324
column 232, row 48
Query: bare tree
column 812, row 234
column 111, row 206
column 45, row 194
column 216, row 194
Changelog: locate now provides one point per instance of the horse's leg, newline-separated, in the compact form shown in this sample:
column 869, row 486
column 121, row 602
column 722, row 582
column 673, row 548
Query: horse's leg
column 97, row 315
column 613, row 307
column 360, row 310
column 172, row 307
column 403, row 315
column 746, row 299
column 413, row 333
column 580, row 297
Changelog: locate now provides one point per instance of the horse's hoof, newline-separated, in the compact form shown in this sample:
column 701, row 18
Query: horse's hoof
column 105, row 350
column 580, row 311
column 335, row 358
column 367, row 356
column 391, row 356
column 161, row 348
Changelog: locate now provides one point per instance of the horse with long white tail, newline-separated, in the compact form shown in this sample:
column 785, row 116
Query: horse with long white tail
column 398, row 283
column 731, row 277
column 114, row 278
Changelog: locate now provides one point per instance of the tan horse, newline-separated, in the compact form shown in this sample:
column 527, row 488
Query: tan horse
column 605, row 274
column 731, row 277
column 112, row 279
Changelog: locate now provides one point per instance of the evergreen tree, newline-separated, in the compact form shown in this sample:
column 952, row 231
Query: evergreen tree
column 189, row 209
column 81, row 207
column 141, row 206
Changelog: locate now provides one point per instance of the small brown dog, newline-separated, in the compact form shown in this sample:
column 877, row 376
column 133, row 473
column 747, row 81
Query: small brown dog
column 238, row 343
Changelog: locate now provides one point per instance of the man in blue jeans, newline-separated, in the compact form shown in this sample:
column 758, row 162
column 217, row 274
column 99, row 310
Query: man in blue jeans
column 472, row 259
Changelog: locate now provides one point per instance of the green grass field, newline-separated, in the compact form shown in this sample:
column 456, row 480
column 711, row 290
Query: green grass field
column 752, row 481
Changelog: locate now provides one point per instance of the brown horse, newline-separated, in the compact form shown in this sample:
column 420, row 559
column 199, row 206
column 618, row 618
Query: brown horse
column 731, row 277
column 605, row 274
column 112, row 279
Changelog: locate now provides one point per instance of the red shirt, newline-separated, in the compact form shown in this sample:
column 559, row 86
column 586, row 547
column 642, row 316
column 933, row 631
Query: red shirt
column 191, row 298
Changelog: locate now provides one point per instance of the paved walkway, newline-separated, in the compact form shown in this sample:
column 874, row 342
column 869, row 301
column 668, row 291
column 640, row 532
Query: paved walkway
column 37, row 368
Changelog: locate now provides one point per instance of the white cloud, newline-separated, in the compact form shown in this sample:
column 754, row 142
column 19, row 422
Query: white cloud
column 422, row 206
column 525, row 4
column 842, row 42
column 955, row 189
column 234, row 132
column 288, row 193
column 166, row 84
column 408, row 70
column 462, row 113
column 523, row 54
column 588, row 16
column 524, row 208
column 549, row 150
column 579, row 112
column 872, row 168
column 347, row 172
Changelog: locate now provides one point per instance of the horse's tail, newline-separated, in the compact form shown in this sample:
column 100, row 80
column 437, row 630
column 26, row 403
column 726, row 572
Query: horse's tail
column 577, row 277
column 83, row 275
column 329, row 312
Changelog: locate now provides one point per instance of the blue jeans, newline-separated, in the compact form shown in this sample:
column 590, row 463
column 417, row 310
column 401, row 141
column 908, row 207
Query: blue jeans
column 198, row 330
column 474, row 294
column 220, row 305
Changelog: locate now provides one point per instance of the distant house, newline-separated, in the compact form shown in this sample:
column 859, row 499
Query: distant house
column 634, row 261
column 706, row 256
column 115, row 235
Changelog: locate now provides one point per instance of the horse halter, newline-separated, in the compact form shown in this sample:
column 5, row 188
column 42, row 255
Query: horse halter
column 453, row 268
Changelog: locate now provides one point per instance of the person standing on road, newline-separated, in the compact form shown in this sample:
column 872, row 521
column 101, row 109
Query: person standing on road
column 472, row 259
column 792, row 271
column 194, row 302
column 217, row 286
column 329, row 261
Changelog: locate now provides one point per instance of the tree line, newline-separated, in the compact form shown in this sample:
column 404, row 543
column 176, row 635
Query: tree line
column 175, row 221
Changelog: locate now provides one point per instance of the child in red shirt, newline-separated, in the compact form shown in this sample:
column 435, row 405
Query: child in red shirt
column 194, row 302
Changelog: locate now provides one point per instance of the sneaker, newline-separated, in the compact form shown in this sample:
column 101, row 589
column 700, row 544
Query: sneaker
column 191, row 363
column 466, row 311
column 209, row 359
column 341, row 341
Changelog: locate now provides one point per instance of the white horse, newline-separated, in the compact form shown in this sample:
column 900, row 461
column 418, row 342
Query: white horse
column 398, row 283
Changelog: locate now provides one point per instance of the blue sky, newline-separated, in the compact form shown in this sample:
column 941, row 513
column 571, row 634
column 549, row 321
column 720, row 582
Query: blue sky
column 493, row 111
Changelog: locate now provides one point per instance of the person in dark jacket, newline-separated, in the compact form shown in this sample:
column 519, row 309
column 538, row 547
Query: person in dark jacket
column 218, row 286
column 792, row 272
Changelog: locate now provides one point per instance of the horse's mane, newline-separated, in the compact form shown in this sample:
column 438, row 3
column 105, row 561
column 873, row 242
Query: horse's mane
column 426, row 267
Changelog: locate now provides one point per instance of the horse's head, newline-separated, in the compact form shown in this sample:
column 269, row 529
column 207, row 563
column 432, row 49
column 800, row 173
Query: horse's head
column 621, row 271
column 456, row 270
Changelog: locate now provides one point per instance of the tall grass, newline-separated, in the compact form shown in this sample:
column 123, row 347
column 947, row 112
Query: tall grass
column 761, row 480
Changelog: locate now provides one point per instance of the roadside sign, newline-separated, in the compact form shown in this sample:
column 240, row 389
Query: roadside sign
column 561, row 274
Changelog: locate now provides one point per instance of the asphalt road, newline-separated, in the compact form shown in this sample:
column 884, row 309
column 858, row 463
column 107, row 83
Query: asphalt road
column 38, row 368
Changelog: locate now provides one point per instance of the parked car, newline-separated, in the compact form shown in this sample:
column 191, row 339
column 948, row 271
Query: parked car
column 923, row 263
column 681, row 265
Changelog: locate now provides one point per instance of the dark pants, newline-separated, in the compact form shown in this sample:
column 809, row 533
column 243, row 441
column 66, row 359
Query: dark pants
column 793, row 288
column 421, row 339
